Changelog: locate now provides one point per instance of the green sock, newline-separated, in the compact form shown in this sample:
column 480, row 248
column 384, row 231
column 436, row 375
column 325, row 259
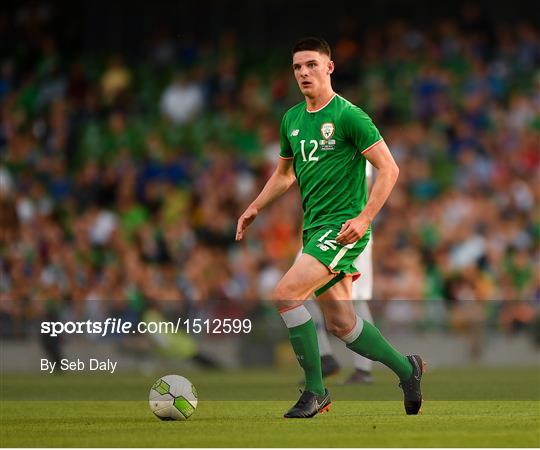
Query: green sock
column 304, row 342
column 372, row 344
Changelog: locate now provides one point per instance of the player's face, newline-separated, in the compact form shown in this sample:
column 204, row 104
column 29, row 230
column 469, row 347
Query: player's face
column 312, row 72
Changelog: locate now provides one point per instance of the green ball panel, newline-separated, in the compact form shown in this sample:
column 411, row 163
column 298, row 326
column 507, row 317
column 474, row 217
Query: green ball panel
column 161, row 386
column 182, row 405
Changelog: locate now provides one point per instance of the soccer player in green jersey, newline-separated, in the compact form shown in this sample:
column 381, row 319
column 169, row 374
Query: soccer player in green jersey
column 325, row 142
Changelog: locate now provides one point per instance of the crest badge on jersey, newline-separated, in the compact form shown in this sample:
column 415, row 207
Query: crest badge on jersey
column 327, row 130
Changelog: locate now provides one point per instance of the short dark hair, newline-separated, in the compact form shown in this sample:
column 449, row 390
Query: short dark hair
column 312, row 44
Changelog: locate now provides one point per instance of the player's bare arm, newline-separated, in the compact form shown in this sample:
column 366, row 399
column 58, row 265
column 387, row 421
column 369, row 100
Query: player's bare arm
column 280, row 181
column 381, row 158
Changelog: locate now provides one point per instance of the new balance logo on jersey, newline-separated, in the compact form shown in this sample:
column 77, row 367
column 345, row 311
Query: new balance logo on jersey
column 295, row 132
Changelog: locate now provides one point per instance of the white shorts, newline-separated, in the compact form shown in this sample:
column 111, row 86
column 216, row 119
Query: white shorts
column 362, row 288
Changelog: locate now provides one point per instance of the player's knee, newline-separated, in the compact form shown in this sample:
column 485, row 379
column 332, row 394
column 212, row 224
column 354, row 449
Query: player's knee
column 339, row 327
column 281, row 297
column 284, row 297
column 278, row 294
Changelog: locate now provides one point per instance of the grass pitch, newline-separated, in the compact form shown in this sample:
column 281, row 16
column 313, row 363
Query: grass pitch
column 464, row 408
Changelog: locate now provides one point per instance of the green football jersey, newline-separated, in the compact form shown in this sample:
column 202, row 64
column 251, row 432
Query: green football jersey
column 326, row 147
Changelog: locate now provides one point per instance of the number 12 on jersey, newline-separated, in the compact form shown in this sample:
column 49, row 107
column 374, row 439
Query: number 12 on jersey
column 303, row 150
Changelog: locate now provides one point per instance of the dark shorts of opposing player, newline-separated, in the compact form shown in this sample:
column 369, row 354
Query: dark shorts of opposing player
column 321, row 244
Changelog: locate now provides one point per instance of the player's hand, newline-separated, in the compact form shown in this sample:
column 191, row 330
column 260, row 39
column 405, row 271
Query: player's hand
column 245, row 220
column 352, row 230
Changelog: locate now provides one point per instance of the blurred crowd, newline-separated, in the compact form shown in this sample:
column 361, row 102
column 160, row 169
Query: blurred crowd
column 122, row 179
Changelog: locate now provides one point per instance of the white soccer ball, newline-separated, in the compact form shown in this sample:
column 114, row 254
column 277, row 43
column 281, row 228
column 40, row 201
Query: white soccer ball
column 173, row 397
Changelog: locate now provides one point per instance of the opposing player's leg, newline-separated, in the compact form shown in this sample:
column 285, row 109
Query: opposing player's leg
column 306, row 275
column 366, row 340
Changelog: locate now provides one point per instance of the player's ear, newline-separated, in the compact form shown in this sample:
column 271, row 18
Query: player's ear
column 330, row 67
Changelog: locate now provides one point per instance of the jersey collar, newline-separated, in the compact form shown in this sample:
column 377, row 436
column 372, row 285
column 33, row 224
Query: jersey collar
column 323, row 106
